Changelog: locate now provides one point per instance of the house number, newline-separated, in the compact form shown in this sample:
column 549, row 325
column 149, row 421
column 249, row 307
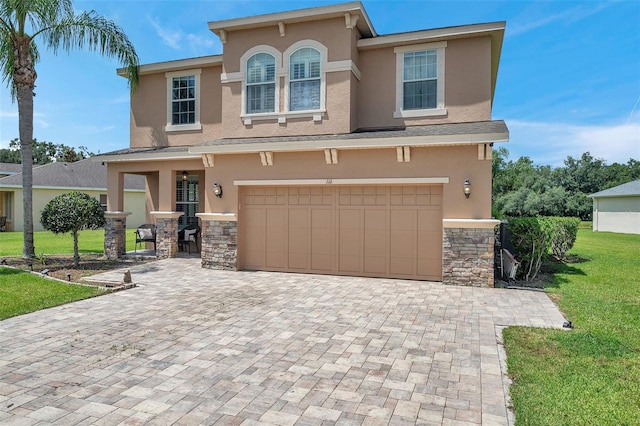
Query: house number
column 329, row 181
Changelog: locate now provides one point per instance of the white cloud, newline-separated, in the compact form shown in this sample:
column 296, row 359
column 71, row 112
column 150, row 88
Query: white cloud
column 549, row 143
column 178, row 40
column 568, row 16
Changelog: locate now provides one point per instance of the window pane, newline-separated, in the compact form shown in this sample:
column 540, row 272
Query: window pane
column 261, row 98
column 304, row 63
column 261, row 68
column 420, row 94
column 305, row 95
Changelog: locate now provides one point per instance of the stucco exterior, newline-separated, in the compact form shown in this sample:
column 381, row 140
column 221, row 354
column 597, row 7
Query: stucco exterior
column 361, row 136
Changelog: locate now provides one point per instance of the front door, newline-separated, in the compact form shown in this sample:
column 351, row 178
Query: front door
column 187, row 199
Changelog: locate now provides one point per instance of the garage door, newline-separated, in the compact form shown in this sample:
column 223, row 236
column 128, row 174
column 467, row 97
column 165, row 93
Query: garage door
column 378, row 231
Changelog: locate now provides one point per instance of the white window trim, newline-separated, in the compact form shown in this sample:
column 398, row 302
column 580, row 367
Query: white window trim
column 440, row 109
column 323, row 74
column 243, row 76
column 182, row 127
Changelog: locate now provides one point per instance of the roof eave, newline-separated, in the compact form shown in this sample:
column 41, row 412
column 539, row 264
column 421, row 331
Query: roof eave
column 364, row 25
column 180, row 64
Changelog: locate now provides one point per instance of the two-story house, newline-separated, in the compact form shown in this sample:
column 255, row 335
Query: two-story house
column 314, row 144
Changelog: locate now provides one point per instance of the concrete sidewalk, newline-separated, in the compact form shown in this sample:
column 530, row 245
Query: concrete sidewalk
column 196, row 346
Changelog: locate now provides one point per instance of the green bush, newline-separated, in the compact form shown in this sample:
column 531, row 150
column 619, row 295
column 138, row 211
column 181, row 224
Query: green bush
column 565, row 230
column 531, row 238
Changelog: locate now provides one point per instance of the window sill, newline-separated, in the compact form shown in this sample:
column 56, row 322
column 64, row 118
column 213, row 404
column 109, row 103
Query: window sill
column 414, row 113
column 282, row 117
column 182, row 127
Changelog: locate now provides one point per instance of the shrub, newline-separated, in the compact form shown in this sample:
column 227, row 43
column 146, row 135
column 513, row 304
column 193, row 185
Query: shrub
column 531, row 238
column 565, row 230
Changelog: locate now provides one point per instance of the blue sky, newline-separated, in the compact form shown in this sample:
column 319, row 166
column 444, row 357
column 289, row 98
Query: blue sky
column 569, row 77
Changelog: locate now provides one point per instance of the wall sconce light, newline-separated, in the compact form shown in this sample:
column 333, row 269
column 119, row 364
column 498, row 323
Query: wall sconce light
column 217, row 190
column 185, row 175
column 467, row 188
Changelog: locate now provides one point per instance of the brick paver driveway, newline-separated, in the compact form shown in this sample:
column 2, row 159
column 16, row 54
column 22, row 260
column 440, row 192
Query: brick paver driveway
column 194, row 346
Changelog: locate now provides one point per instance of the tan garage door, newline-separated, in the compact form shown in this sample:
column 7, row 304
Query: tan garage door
column 380, row 231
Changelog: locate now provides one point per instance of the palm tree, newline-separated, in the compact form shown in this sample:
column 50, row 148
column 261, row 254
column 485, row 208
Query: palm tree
column 57, row 26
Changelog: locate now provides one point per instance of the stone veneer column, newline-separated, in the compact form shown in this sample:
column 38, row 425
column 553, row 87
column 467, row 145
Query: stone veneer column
column 467, row 252
column 115, row 238
column 219, row 241
column 166, row 233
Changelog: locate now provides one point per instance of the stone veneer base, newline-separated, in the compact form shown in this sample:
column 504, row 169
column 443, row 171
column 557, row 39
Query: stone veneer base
column 467, row 256
column 220, row 244
column 115, row 229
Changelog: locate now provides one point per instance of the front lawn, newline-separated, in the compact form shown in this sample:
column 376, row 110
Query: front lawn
column 590, row 375
column 46, row 242
column 23, row 292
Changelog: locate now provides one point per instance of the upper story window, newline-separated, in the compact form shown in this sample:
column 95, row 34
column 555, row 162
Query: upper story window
column 183, row 100
column 420, row 80
column 183, row 89
column 261, row 84
column 304, row 80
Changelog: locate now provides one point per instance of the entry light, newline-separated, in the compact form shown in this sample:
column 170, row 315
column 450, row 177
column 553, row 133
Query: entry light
column 217, row 190
column 467, row 188
column 185, row 175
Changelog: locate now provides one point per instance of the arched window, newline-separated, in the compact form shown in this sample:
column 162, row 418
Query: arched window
column 261, row 83
column 304, row 80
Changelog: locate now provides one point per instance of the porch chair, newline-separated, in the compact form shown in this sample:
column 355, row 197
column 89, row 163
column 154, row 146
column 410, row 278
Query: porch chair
column 189, row 234
column 145, row 233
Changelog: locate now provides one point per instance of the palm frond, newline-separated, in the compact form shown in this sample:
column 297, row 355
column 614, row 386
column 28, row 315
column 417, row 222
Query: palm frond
column 91, row 31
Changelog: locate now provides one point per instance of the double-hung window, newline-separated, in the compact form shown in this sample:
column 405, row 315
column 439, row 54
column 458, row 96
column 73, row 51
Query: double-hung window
column 183, row 112
column 261, row 84
column 420, row 80
column 304, row 80
column 183, row 100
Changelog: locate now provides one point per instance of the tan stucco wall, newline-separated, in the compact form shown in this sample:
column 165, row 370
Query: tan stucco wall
column 149, row 105
column 133, row 201
column 467, row 85
column 617, row 214
column 456, row 163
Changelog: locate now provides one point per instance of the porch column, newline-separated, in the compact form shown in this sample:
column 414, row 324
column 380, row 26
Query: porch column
column 468, row 252
column 115, row 238
column 166, row 233
column 219, row 241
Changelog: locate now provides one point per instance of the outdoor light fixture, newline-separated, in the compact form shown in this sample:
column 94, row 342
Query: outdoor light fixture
column 217, row 190
column 185, row 175
column 68, row 276
column 467, row 188
column 45, row 272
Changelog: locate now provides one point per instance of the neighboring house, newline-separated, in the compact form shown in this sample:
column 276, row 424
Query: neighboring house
column 8, row 169
column 617, row 209
column 314, row 144
column 51, row 180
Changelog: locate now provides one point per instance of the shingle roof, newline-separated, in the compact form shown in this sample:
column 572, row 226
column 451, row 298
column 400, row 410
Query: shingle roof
column 480, row 127
column 10, row 168
column 81, row 174
column 628, row 189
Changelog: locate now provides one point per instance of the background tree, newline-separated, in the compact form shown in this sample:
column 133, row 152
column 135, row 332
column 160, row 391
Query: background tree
column 72, row 212
column 56, row 25
column 44, row 152
column 521, row 188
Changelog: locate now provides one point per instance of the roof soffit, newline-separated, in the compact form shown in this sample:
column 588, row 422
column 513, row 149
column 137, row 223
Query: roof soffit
column 296, row 16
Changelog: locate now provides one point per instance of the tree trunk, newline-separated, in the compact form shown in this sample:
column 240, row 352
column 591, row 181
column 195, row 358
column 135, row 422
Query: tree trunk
column 24, row 78
column 76, row 255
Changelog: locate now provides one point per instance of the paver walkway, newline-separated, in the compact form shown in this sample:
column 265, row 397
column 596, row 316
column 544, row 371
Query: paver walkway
column 194, row 346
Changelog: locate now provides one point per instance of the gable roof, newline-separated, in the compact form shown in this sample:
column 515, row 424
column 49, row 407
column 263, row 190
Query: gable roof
column 629, row 189
column 83, row 174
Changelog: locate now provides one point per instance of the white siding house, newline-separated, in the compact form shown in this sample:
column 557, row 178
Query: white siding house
column 617, row 209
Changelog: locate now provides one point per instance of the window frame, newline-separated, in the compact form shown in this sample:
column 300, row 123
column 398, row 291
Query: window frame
column 170, row 76
column 322, row 50
column 440, row 109
column 292, row 80
column 247, row 85
column 242, row 76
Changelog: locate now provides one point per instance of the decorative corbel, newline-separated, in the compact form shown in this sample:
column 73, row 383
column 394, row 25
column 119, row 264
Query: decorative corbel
column 281, row 28
column 207, row 160
column 266, row 158
column 351, row 20
column 223, row 36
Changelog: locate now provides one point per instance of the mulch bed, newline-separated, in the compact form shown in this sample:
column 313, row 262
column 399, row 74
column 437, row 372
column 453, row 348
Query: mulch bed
column 61, row 265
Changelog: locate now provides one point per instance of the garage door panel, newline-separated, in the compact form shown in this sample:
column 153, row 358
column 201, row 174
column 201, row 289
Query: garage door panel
column 385, row 231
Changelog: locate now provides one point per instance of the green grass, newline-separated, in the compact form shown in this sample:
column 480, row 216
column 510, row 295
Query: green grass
column 46, row 242
column 22, row 292
column 590, row 375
